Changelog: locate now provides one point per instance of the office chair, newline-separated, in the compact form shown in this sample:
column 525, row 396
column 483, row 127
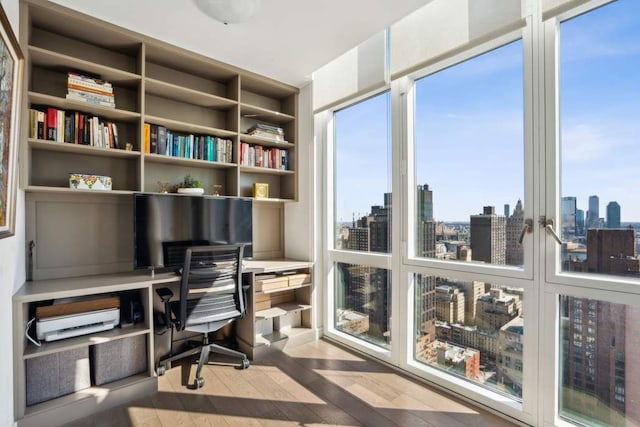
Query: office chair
column 211, row 296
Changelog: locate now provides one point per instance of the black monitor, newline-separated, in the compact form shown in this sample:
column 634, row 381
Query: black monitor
column 166, row 224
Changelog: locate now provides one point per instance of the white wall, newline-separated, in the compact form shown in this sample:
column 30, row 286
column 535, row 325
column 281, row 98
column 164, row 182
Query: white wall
column 12, row 275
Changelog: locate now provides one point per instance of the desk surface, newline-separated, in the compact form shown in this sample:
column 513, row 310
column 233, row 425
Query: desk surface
column 105, row 283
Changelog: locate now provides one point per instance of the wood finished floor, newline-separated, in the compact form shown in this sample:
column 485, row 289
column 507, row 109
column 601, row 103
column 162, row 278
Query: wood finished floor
column 311, row 385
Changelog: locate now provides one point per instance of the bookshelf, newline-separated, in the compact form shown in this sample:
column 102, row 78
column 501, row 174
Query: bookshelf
column 156, row 83
column 82, row 238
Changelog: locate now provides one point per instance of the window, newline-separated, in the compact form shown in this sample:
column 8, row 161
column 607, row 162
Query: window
column 362, row 185
column 469, row 332
column 363, row 302
column 469, row 160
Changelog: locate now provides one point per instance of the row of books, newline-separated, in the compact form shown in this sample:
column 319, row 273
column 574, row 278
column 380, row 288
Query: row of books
column 264, row 157
column 160, row 140
column 73, row 127
column 90, row 90
column 263, row 130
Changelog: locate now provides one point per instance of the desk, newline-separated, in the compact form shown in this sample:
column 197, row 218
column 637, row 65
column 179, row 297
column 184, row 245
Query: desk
column 85, row 402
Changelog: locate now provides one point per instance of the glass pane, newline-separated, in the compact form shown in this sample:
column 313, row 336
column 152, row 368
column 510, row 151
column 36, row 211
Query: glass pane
column 363, row 302
column 599, row 110
column 473, row 330
column 362, row 184
column 470, row 160
column 600, row 382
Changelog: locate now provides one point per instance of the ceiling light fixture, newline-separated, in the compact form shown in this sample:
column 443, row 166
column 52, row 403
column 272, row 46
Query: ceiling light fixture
column 229, row 11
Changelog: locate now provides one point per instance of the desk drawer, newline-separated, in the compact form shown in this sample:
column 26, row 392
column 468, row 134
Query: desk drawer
column 262, row 285
column 299, row 279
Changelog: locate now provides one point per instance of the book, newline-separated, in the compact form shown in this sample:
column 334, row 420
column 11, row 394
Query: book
column 162, row 140
column 153, row 140
column 146, row 147
column 52, row 125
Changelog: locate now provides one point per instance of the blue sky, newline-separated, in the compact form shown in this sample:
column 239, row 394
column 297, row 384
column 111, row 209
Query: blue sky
column 469, row 126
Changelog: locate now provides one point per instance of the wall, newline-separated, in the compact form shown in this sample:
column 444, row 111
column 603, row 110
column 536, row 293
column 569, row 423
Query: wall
column 12, row 275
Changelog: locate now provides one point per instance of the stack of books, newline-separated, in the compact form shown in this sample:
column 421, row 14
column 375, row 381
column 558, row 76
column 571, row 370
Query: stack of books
column 90, row 90
column 262, row 130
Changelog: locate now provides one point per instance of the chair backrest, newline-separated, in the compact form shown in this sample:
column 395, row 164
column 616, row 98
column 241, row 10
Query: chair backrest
column 216, row 272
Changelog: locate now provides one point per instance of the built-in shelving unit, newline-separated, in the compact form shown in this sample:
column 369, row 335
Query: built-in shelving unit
column 280, row 314
column 153, row 83
column 79, row 242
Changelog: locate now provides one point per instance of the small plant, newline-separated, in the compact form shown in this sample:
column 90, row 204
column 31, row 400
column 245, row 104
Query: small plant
column 190, row 182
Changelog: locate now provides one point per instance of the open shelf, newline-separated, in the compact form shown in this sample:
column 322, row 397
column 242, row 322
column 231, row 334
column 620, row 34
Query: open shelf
column 266, row 142
column 270, row 171
column 84, row 340
column 65, row 147
column 51, row 59
column 160, row 158
column 288, row 288
column 264, row 114
column 97, row 110
column 281, row 309
column 92, row 393
column 172, row 91
column 180, row 126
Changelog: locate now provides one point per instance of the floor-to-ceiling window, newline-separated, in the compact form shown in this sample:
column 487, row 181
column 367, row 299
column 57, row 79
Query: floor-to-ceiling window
column 362, row 220
column 598, row 56
column 515, row 265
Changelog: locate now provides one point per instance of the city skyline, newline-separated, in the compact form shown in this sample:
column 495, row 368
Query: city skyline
column 462, row 118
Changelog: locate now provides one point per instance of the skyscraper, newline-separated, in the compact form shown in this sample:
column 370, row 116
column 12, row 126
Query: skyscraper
column 593, row 214
column 488, row 243
column 507, row 210
column 579, row 222
column 425, row 226
column 613, row 215
column 514, row 250
column 568, row 217
column 424, row 203
column 425, row 294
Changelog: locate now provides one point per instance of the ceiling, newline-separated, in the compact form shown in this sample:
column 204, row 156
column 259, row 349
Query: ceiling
column 286, row 40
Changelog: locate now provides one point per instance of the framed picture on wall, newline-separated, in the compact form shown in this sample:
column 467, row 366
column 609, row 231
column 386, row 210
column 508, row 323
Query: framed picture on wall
column 11, row 64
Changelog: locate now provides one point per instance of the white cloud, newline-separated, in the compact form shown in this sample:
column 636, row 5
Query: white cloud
column 584, row 142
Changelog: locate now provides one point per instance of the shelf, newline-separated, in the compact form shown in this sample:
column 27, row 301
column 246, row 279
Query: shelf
column 89, row 150
column 263, row 114
column 44, row 189
column 266, row 142
column 46, row 58
column 95, row 393
column 183, row 94
column 178, row 126
column 269, row 171
column 160, row 158
column 97, row 110
column 84, row 340
column 288, row 288
column 281, row 309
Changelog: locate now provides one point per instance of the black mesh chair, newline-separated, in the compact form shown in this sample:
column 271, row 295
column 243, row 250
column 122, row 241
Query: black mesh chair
column 211, row 296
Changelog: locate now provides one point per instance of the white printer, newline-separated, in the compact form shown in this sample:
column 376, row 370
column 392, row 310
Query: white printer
column 70, row 318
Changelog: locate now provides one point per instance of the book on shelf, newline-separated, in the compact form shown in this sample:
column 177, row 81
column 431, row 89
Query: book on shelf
column 265, row 157
column 146, row 144
column 91, row 90
column 188, row 146
column 270, row 132
column 72, row 127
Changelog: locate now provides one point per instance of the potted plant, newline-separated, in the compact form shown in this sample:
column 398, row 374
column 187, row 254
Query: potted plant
column 190, row 185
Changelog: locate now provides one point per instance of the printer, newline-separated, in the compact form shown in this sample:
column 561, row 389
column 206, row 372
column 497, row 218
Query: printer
column 79, row 316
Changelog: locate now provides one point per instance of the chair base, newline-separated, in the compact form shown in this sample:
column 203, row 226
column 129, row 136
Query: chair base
column 203, row 350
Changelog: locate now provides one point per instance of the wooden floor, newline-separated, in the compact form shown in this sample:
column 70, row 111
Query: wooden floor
column 310, row 385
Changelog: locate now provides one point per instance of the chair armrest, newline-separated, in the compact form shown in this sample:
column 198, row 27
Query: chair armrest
column 165, row 294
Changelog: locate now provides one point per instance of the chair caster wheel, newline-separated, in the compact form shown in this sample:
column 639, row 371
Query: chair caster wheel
column 199, row 382
column 161, row 370
column 245, row 364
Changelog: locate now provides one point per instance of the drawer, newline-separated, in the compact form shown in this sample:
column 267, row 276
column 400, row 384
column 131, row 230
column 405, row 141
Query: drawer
column 299, row 279
column 262, row 285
